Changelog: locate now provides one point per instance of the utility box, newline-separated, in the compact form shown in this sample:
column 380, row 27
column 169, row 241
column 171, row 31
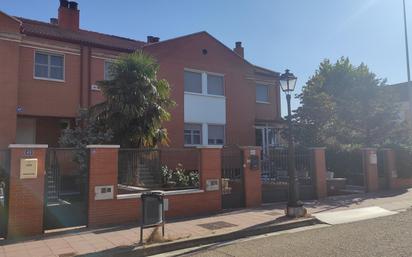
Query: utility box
column 153, row 211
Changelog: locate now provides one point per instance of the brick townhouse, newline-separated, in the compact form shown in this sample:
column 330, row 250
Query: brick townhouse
column 48, row 71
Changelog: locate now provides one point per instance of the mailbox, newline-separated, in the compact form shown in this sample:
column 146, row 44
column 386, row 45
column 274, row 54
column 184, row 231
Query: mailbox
column 254, row 162
column 28, row 168
column 152, row 211
column 103, row 192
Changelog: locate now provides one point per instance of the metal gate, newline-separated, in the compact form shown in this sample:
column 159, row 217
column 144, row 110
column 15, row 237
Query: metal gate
column 233, row 190
column 66, row 188
column 382, row 175
column 4, row 190
column 275, row 177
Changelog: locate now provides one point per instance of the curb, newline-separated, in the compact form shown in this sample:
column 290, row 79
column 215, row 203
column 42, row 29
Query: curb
column 177, row 245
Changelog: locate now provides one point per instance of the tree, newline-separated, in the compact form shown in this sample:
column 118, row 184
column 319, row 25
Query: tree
column 343, row 105
column 135, row 108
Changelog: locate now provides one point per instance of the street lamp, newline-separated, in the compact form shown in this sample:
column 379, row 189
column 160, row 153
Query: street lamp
column 294, row 207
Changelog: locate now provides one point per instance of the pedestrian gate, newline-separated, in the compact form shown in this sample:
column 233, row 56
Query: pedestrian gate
column 233, row 190
column 66, row 188
column 4, row 190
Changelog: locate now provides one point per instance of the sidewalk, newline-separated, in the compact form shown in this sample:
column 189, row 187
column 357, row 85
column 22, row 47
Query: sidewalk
column 223, row 226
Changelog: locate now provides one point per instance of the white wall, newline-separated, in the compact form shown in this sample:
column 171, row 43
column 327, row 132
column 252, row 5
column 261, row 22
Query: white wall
column 204, row 109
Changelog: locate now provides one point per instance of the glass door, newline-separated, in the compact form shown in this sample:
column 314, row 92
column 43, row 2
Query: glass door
column 266, row 138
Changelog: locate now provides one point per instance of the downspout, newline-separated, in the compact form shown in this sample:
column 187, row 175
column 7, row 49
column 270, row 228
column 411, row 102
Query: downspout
column 81, row 77
column 89, row 79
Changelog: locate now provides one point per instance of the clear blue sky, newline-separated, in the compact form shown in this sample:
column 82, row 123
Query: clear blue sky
column 276, row 34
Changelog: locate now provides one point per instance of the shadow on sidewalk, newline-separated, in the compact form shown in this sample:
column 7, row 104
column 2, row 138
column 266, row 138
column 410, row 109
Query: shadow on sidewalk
column 278, row 224
column 334, row 202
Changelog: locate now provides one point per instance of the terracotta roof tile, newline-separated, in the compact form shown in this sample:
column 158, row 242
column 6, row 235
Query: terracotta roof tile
column 47, row 30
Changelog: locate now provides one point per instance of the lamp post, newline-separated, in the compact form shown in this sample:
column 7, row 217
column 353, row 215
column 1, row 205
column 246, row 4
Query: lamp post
column 294, row 207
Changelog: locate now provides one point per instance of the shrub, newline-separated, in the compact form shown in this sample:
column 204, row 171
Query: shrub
column 179, row 177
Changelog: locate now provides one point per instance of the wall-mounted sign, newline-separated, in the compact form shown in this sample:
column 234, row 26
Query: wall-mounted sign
column 103, row 192
column 28, row 168
column 166, row 204
column 253, row 152
column 373, row 158
column 19, row 109
column 212, row 184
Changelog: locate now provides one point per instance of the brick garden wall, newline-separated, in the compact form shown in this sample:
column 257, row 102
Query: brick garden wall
column 103, row 171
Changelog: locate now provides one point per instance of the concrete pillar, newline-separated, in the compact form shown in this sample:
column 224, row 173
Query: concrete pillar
column 26, row 193
column 102, row 173
column 370, row 169
column 319, row 171
column 252, row 176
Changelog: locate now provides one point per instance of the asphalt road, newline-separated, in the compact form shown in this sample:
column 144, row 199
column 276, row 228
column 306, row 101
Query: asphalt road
column 389, row 236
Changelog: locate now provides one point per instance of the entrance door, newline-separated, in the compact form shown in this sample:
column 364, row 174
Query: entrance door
column 266, row 138
column 233, row 190
column 66, row 188
column 26, row 131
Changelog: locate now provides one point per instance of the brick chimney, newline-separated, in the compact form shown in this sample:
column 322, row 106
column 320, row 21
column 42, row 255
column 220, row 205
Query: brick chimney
column 69, row 15
column 239, row 49
column 152, row 39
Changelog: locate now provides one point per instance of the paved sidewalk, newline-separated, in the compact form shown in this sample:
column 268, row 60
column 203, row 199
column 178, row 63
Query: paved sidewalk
column 107, row 241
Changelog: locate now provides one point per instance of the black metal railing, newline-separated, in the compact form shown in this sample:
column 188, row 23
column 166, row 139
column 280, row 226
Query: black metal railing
column 66, row 173
column 346, row 164
column 403, row 163
column 141, row 170
column 274, row 166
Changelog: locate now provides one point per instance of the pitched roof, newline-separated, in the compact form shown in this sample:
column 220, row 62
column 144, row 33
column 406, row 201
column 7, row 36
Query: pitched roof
column 257, row 69
column 267, row 72
column 47, row 30
column 400, row 91
column 51, row 31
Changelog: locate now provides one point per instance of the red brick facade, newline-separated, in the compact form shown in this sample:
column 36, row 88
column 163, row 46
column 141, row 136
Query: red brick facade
column 23, row 95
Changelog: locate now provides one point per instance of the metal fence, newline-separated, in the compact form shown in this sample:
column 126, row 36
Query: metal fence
column 274, row 166
column 346, row 164
column 166, row 168
column 403, row 163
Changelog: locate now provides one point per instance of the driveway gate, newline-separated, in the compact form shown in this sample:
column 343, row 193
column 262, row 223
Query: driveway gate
column 233, row 190
column 66, row 188
column 4, row 190
column 382, row 175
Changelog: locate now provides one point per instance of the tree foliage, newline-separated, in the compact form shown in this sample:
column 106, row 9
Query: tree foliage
column 135, row 108
column 343, row 105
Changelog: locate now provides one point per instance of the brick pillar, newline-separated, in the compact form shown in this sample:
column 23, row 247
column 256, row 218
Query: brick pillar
column 26, row 195
column 102, row 172
column 211, row 171
column 370, row 169
column 251, row 176
column 390, row 166
column 319, row 171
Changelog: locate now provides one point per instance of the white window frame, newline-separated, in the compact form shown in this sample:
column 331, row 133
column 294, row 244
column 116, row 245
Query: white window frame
column 104, row 68
column 49, row 53
column 268, row 93
column 204, row 83
column 191, row 134
column 224, row 132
